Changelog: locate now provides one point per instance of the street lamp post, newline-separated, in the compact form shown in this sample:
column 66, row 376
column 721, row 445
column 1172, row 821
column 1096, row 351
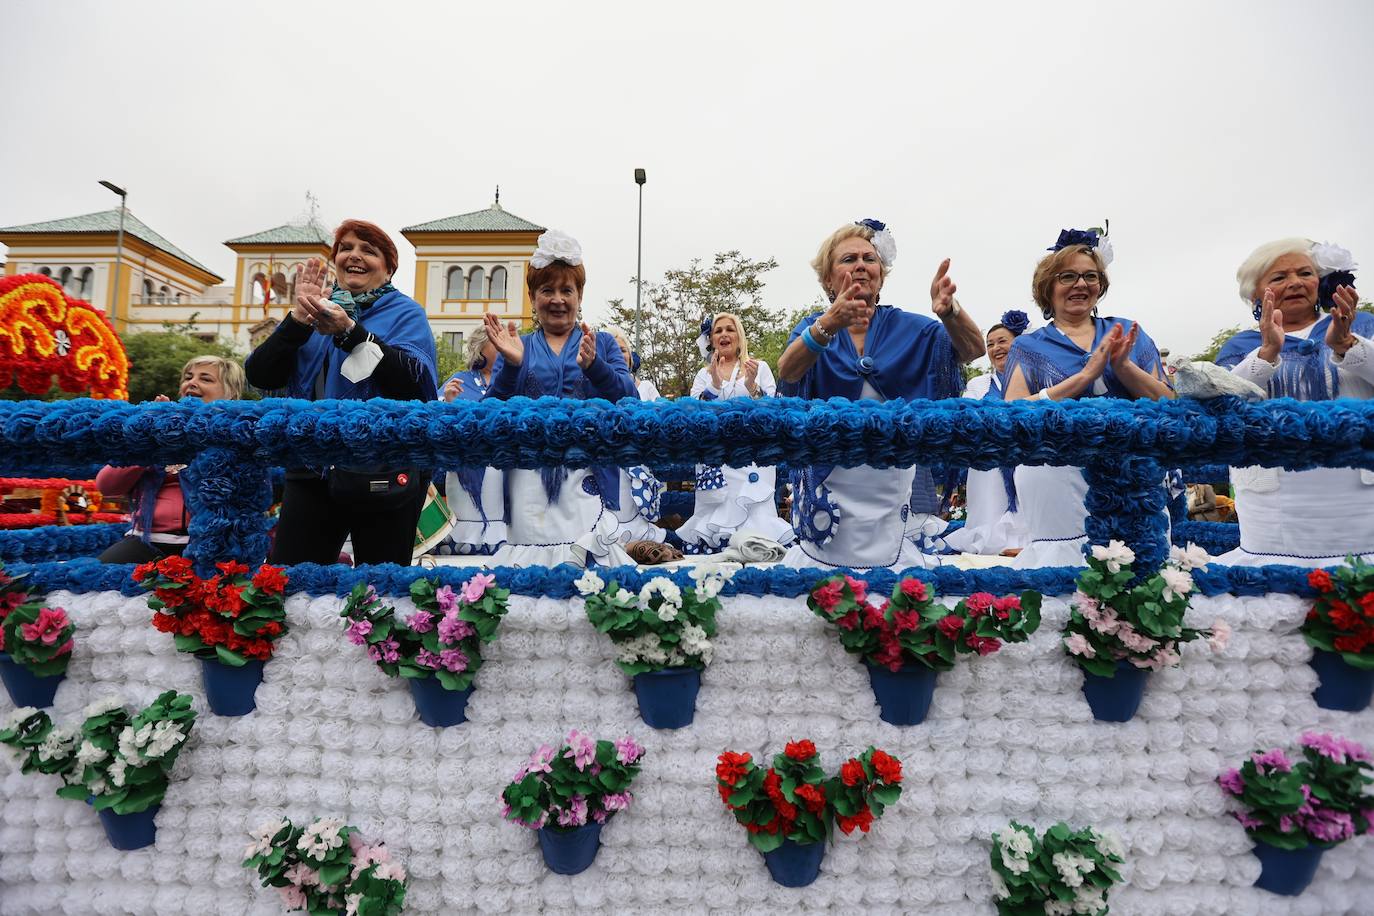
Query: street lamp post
column 119, row 243
column 639, row 256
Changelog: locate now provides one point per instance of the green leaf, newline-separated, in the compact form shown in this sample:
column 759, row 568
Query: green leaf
column 229, row 657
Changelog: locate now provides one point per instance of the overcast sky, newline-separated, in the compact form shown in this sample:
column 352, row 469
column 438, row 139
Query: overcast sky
column 976, row 130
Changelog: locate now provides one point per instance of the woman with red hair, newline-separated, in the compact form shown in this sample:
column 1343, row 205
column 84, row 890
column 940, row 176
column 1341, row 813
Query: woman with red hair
column 360, row 339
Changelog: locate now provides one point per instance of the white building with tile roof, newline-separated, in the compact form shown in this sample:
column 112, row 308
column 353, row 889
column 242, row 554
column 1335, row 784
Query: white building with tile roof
column 471, row 264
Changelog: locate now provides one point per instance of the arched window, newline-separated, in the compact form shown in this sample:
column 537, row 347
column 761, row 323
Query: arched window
column 498, row 283
column 177, row 298
column 45, row 271
column 164, row 295
column 454, row 285
column 477, row 281
column 147, row 291
column 65, row 278
column 256, row 288
column 87, row 282
column 280, row 291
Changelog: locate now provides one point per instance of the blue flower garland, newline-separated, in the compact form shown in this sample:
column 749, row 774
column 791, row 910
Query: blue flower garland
column 577, row 433
column 1214, row 537
column 58, row 542
column 227, row 497
column 87, row 575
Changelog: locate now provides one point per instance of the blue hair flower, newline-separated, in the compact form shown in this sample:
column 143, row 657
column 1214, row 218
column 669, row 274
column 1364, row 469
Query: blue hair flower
column 1069, row 237
column 1326, row 288
column 1015, row 320
column 875, row 225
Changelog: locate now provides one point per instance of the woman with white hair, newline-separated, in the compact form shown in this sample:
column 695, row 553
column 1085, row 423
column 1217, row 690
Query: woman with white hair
column 730, row 499
column 862, row 517
column 475, row 496
column 1303, row 518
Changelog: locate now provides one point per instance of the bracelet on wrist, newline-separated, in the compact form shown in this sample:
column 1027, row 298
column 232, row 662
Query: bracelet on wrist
column 811, row 343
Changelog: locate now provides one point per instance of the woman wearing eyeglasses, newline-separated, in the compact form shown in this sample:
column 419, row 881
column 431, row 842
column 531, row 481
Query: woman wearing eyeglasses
column 1077, row 354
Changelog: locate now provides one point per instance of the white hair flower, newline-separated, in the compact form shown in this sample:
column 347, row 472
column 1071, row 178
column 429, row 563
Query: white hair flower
column 1104, row 250
column 1330, row 258
column 556, row 246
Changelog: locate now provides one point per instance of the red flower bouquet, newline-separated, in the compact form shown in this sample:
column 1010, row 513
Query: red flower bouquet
column 790, row 809
column 1340, row 629
column 910, row 626
column 228, row 617
column 229, row 621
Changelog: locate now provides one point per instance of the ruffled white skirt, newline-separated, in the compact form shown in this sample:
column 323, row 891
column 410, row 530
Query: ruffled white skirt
column 875, row 523
column 575, row 528
column 1302, row 518
column 746, row 504
column 1051, row 501
column 470, row 533
column 990, row 527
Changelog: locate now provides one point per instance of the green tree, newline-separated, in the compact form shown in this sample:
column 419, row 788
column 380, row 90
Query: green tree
column 450, row 360
column 674, row 308
column 1209, row 355
column 770, row 345
column 156, row 359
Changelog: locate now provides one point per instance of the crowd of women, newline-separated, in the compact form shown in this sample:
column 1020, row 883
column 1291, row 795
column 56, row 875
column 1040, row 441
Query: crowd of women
column 361, row 338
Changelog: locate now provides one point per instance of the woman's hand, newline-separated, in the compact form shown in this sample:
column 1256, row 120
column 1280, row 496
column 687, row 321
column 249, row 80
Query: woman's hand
column 506, row 339
column 1271, row 328
column 1097, row 363
column 714, row 367
column 1338, row 336
column 452, row 388
column 1120, row 353
column 942, row 292
column 586, row 348
column 751, row 373
column 846, row 309
column 309, row 290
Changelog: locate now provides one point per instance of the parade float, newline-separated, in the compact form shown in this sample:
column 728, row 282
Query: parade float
column 1012, row 793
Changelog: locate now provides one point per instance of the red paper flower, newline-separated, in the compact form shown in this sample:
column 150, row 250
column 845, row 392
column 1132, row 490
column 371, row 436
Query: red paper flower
column 979, row 603
column 772, row 786
column 271, row 579
column 888, row 768
column 914, row 589
column 862, row 820
column 951, row 625
column 906, row 620
column 800, row 751
column 848, row 621
column 1319, row 579
column 858, row 587
column 852, row 773
column 813, row 797
column 732, row 767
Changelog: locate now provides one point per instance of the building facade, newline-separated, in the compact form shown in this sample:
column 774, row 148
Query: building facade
column 465, row 266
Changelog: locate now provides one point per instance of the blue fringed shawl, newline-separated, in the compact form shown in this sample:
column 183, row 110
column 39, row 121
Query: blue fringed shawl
column 1046, row 356
column 1306, row 372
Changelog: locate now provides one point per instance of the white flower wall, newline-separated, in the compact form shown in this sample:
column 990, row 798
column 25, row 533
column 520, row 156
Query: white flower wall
column 1008, row 736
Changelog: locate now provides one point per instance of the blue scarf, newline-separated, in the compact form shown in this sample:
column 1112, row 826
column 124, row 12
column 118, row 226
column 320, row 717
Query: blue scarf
column 1046, row 356
column 994, row 393
column 470, row 478
column 544, row 373
column 1306, row 372
column 390, row 316
column 144, row 499
column 905, row 356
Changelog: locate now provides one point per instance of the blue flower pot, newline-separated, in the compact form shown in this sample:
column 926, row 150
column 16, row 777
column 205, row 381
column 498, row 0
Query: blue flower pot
column 130, row 831
column 437, row 705
column 1343, row 686
column 1115, row 699
column 1287, row 871
column 668, row 698
column 231, row 691
column 903, row 695
column 569, row 852
column 27, row 688
column 795, row 864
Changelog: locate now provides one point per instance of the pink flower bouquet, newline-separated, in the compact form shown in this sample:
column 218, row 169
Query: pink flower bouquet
column 326, row 867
